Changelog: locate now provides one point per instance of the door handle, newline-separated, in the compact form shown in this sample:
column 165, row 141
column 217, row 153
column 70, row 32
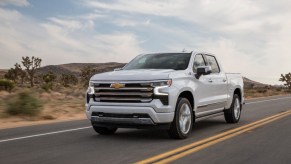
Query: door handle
column 224, row 80
column 210, row 81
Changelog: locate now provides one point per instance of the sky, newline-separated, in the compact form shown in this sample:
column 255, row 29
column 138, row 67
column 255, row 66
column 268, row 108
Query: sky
column 248, row 36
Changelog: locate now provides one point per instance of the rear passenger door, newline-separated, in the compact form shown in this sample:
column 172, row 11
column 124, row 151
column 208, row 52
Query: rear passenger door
column 204, row 91
column 217, row 80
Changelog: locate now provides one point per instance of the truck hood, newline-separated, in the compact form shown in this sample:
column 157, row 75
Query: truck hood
column 133, row 75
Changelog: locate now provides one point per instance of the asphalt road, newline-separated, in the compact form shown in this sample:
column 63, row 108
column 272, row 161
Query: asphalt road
column 75, row 142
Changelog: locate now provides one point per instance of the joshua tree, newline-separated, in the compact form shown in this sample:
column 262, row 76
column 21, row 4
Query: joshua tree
column 11, row 75
column 23, row 76
column 31, row 64
column 20, row 73
column 16, row 73
column 86, row 73
column 287, row 79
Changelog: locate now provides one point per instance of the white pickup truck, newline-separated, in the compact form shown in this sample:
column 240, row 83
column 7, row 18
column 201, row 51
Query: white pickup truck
column 168, row 90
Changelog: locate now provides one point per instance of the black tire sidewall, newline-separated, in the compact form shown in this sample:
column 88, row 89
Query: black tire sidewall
column 181, row 101
column 230, row 115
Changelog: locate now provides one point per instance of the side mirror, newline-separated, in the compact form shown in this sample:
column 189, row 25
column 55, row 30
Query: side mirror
column 203, row 70
column 117, row 69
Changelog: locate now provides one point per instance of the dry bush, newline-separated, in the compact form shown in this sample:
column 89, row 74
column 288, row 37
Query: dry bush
column 24, row 103
column 263, row 92
column 6, row 85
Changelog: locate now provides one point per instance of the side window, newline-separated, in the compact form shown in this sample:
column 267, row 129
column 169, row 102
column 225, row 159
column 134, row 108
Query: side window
column 198, row 61
column 211, row 61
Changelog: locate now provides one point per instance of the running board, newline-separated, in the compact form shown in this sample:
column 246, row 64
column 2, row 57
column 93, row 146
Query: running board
column 209, row 116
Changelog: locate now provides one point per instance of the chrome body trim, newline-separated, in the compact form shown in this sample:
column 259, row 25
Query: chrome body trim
column 209, row 116
column 209, row 112
column 211, row 107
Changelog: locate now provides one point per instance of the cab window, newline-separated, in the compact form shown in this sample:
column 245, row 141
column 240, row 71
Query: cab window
column 198, row 61
column 212, row 62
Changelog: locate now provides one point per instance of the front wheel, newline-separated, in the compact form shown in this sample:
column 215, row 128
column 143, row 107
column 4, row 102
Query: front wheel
column 183, row 121
column 232, row 115
column 104, row 130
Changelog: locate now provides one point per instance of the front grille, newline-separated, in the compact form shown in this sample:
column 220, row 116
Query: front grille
column 129, row 92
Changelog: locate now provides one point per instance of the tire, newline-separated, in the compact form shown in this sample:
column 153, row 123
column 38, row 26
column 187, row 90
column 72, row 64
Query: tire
column 181, row 129
column 232, row 115
column 104, row 130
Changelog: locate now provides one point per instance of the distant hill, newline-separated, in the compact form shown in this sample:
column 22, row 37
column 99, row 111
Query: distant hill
column 252, row 84
column 75, row 69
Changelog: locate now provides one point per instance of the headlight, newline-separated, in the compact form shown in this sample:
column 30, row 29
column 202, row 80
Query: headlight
column 161, row 87
column 90, row 89
column 161, row 83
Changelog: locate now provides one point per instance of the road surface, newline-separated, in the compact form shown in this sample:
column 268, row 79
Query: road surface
column 212, row 141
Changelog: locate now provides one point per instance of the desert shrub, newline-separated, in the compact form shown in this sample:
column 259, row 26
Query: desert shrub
column 24, row 103
column 49, row 77
column 47, row 86
column 48, row 81
column 48, row 117
column 6, row 85
column 262, row 90
column 68, row 79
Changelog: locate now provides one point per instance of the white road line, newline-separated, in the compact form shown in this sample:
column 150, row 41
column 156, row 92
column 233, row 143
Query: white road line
column 268, row 100
column 44, row 134
column 70, row 130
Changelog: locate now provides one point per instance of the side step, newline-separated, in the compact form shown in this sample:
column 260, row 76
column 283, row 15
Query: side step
column 209, row 116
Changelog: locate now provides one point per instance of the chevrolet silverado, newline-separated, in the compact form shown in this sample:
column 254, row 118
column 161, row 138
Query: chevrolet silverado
column 168, row 90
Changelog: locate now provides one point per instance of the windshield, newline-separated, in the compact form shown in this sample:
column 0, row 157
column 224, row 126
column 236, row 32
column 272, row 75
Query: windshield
column 176, row 61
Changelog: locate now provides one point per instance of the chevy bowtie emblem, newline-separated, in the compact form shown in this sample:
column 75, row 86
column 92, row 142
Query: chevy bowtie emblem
column 117, row 85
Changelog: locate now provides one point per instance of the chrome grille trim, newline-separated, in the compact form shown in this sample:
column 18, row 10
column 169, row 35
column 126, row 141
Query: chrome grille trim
column 128, row 88
column 124, row 94
column 127, row 99
column 138, row 92
column 127, row 82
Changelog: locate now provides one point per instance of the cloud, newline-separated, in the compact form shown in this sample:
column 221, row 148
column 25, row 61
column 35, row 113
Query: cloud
column 208, row 11
column 68, row 24
column 14, row 2
column 61, row 40
column 131, row 22
column 249, row 36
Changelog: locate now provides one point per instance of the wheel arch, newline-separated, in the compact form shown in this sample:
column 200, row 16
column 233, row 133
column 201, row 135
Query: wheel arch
column 188, row 94
column 238, row 92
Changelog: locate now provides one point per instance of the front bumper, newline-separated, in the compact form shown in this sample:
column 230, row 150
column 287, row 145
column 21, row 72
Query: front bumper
column 153, row 119
column 121, row 121
column 158, row 113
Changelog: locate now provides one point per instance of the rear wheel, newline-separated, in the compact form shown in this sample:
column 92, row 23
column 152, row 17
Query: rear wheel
column 104, row 130
column 183, row 121
column 232, row 115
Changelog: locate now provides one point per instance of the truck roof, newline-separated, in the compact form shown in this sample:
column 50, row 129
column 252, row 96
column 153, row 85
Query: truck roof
column 186, row 52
